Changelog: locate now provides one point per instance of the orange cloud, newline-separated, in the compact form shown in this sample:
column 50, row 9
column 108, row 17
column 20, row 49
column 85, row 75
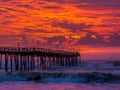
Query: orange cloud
column 76, row 22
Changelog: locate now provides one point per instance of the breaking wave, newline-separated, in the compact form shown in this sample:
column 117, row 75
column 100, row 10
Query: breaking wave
column 96, row 77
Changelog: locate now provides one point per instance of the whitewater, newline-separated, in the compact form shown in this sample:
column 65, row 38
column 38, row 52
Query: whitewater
column 93, row 75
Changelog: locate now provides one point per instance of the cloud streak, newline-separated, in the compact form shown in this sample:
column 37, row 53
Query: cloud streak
column 69, row 22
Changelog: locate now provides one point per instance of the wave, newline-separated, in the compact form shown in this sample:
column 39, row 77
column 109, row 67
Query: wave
column 96, row 77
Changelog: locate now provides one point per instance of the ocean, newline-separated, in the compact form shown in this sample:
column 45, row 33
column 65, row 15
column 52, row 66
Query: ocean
column 88, row 76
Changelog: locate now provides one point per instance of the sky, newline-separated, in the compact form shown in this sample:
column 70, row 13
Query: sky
column 89, row 26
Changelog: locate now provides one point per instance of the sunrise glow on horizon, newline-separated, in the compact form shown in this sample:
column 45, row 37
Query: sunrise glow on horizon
column 93, row 27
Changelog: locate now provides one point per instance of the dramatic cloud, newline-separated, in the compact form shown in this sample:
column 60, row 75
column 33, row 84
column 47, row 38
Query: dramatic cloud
column 72, row 26
column 114, row 39
column 87, row 4
column 90, row 39
column 70, row 23
column 56, row 40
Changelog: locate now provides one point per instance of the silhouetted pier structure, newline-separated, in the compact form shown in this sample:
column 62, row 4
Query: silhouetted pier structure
column 28, row 59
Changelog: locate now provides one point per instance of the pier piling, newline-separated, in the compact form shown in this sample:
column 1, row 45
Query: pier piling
column 28, row 59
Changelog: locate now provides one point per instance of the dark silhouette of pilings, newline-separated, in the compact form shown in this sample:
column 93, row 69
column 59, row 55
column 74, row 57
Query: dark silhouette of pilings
column 0, row 61
column 28, row 59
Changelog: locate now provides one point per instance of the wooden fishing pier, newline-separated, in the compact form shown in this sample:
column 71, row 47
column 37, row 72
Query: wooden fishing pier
column 28, row 59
